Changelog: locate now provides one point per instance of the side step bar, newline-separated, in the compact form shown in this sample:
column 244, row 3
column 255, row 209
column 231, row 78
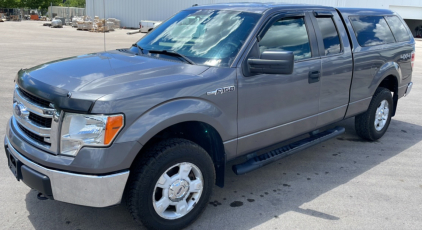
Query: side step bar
column 277, row 154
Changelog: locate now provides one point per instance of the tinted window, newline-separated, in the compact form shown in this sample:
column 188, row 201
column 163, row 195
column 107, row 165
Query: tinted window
column 288, row 34
column 399, row 31
column 372, row 30
column 330, row 36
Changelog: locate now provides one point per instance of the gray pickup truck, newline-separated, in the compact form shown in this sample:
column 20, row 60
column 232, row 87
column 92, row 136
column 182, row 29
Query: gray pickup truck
column 155, row 124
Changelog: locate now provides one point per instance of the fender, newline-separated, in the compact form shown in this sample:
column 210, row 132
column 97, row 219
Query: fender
column 388, row 69
column 361, row 103
column 181, row 110
column 176, row 111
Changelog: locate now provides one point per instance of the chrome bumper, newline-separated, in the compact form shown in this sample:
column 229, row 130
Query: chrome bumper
column 86, row 190
column 408, row 89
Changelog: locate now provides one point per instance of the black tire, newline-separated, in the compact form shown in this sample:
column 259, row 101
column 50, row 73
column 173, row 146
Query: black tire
column 147, row 170
column 364, row 123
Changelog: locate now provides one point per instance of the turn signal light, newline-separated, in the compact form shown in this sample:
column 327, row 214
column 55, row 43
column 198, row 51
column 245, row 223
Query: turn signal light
column 114, row 125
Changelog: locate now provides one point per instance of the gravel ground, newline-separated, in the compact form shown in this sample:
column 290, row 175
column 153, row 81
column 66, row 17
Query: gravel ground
column 344, row 183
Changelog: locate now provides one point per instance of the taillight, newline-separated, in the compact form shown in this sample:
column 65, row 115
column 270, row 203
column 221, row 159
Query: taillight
column 413, row 58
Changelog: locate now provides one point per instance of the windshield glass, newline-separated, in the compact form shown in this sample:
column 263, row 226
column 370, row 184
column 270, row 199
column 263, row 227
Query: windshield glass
column 207, row 37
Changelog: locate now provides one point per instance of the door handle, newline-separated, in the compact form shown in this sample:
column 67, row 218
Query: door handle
column 314, row 76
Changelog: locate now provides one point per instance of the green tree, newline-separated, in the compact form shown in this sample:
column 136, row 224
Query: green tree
column 74, row 3
column 9, row 3
column 40, row 4
column 47, row 3
column 32, row 4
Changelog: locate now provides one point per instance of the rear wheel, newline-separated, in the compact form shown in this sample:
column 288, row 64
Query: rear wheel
column 373, row 124
column 170, row 185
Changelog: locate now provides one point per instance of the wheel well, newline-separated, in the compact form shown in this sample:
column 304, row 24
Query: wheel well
column 203, row 135
column 390, row 82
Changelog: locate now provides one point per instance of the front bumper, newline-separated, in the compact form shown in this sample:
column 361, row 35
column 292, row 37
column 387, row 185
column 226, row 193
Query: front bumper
column 80, row 189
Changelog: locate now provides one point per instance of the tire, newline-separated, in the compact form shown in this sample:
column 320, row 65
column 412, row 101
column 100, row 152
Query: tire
column 143, row 197
column 365, row 124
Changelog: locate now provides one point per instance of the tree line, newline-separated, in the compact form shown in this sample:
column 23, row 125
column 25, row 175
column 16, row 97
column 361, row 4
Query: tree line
column 40, row 4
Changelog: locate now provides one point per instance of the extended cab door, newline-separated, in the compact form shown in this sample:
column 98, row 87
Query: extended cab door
column 276, row 107
column 337, row 65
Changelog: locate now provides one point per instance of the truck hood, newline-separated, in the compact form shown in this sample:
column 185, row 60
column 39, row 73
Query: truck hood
column 92, row 76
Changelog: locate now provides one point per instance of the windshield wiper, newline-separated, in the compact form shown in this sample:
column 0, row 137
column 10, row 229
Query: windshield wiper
column 139, row 48
column 172, row 53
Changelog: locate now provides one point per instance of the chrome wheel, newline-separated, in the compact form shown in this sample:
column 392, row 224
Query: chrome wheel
column 177, row 191
column 381, row 115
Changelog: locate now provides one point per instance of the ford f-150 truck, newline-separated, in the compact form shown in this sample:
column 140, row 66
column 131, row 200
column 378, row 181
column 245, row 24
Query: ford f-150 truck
column 156, row 123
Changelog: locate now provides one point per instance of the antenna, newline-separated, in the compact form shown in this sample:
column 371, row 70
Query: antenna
column 104, row 24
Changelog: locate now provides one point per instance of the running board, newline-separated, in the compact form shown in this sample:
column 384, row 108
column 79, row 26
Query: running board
column 287, row 150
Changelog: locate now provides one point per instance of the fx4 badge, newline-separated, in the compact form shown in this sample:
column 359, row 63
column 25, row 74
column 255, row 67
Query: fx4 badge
column 221, row 90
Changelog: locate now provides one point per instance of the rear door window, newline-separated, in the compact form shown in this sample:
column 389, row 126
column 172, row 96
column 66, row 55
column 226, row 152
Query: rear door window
column 330, row 36
column 288, row 34
column 399, row 30
column 371, row 30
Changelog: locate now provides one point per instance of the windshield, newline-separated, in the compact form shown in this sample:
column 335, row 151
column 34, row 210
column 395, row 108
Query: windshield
column 207, row 37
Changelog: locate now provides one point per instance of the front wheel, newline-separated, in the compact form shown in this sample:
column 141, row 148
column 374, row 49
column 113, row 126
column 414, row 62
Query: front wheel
column 170, row 185
column 373, row 124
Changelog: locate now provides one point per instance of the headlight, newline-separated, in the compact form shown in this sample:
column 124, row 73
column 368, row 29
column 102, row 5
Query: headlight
column 80, row 130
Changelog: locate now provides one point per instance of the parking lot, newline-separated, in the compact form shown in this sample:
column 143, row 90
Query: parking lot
column 344, row 183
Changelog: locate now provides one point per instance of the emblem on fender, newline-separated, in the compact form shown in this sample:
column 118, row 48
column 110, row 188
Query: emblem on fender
column 222, row 90
column 406, row 56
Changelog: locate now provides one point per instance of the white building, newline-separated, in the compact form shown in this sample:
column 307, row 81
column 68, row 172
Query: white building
column 130, row 12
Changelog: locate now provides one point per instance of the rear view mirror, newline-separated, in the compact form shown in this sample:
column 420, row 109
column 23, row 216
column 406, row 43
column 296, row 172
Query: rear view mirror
column 272, row 62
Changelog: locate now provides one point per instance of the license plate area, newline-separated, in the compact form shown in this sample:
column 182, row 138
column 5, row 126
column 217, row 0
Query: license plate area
column 14, row 164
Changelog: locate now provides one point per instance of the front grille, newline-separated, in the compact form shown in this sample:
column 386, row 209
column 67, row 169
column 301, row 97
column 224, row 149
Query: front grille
column 34, row 136
column 34, row 99
column 37, row 126
column 42, row 121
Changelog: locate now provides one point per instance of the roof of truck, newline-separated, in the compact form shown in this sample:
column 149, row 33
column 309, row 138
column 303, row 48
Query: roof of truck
column 364, row 11
column 259, row 7
column 256, row 7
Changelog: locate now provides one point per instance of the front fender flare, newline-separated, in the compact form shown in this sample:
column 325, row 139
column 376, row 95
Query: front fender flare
column 173, row 112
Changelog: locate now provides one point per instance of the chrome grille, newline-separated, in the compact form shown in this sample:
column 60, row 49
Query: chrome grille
column 34, row 136
column 35, row 99
column 42, row 121
column 33, row 118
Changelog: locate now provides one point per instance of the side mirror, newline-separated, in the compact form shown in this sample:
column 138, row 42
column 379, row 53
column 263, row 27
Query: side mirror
column 272, row 62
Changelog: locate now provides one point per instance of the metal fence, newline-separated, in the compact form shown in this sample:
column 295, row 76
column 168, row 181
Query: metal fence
column 11, row 14
column 65, row 12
